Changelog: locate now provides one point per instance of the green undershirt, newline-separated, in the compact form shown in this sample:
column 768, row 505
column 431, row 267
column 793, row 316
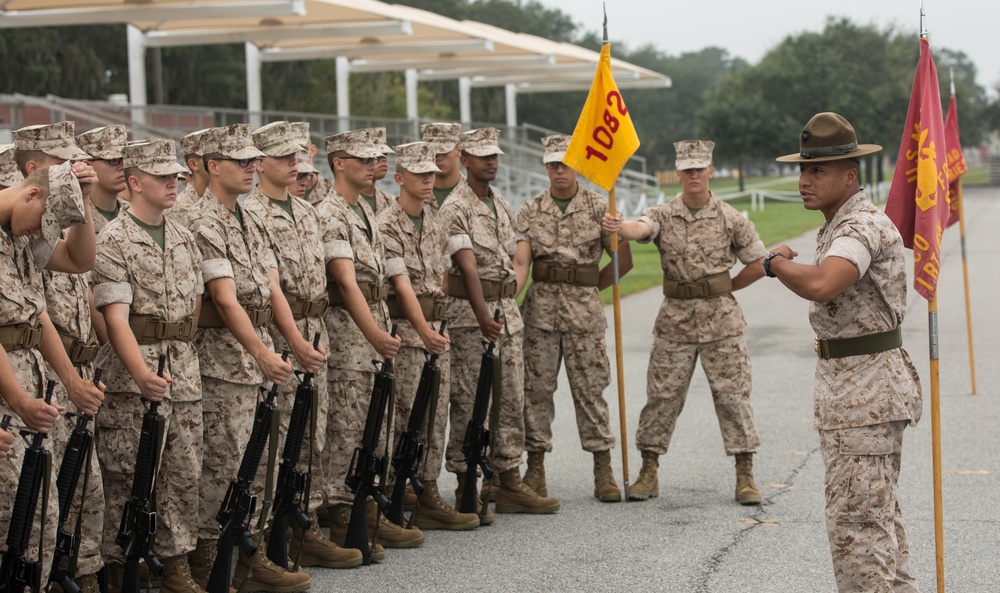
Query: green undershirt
column 285, row 205
column 371, row 201
column 441, row 193
column 488, row 200
column 109, row 215
column 361, row 213
column 418, row 222
column 156, row 231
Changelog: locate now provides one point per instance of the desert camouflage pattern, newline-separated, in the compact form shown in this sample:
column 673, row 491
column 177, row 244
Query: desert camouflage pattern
column 726, row 363
column 194, row 143
column 481, row 142
column 156, row 157
column 63, row 208
column 853, row 391
column 693, row 154
column 417, row 157
column 229, row 250
column 350, row 393
column 104, row 143
column 298, row 251
column 472, row 225
column 9, row 173
column 276, row 139
column 52, row 139
column 407, row 366
column 322, row 190
column 100, row 219
column 185, row 208
column 383, row 200
column 555, row 148
column 445, row 136
column 868, row 541
column 234, row 141
column 357, row 143
column 686, row 250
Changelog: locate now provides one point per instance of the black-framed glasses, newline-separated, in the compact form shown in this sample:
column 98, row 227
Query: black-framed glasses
column 555, row 166
column 382, row 159
column 302, row 176
column 113, row 162
column 242, row 163
column 364, row 160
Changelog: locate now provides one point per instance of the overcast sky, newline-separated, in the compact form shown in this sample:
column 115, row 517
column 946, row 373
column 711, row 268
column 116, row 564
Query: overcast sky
column 749, row 29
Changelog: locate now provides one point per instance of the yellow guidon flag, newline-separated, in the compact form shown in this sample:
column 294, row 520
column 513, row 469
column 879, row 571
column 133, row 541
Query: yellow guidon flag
column 604, row 137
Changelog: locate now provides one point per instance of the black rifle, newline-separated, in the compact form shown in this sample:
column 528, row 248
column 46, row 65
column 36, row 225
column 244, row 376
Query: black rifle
column 367, row 466
column 17, row 572
column 409, row 449
column 73, row 464
column 477, row 436
column 137, row 529
column 240, row 503
column 292, row 482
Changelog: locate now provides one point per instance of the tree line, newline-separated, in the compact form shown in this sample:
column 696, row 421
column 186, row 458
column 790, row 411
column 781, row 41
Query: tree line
column 752, row 111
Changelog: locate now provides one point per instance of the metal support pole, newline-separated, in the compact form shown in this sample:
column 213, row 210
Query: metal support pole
column 137, row 75
column 255, row 93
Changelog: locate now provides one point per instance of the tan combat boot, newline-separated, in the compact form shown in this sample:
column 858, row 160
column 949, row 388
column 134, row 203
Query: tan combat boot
column 486, row 516
column 647, row 485
column 515, row 497
column 339, row 518
column 410, row 502
column 177, row 577
column 114, row 574
column 605, row 489
column 488, row 489
column 389, row 534
column 534, row 476
column 201, row 560
column 434, row 513
column 746, row 491
column 313, row 549
column 87, row 583
column 261, row 574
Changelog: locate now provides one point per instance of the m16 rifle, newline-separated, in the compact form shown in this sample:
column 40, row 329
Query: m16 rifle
column 477, row 436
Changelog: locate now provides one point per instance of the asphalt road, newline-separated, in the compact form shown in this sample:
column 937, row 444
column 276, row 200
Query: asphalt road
column 694, row 538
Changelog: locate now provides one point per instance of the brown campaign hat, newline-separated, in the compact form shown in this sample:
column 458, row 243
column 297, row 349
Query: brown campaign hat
column 156, row 157
column 828, row 137
column 417, row 157
column 233, row 142
column 555, row 148
column 9, row 173
column 276, row 140
column 693, row 154
column 194, row 143
column 444, row 135
column 52, row 139
column 104, row 143
column 481, row 142
column 357, row 143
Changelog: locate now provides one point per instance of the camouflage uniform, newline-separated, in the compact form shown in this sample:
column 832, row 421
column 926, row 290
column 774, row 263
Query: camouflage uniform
column 861, row 412
column 322, row 190
column 230, row 375
column 693, row 247
column 472, row 225
column 186, row 203
column 298, row 251
column 565, row 320
column 133, row 269
column 382, row 200
column 351, row 374
column 100, row 220
column 423, row 258
column 9, row 174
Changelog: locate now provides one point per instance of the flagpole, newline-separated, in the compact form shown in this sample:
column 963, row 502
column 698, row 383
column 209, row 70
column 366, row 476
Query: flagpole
column 932, row 319
column 616, row 300
column 965, row 276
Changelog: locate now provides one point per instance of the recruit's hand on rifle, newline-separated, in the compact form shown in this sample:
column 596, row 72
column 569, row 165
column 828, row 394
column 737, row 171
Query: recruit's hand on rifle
column 85, row 395
column 386, row 344
column 434, row 342
column 274, row 368
column 491, row 328
column 311, row 359
column 153, row 387
column 6, row 440
column 36, row 414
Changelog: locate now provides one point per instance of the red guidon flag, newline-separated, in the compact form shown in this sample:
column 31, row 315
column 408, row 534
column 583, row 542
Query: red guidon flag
column 956, row 166
column 918, row 199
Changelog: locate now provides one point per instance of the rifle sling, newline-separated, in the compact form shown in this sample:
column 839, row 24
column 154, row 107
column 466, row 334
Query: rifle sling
column 265, row 507
column 79, row 517
column 46, row 483
column 497, row 392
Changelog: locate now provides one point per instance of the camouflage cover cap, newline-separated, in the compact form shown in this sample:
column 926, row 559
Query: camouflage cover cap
column 481, row 142
column 555, row 148
column 357, row 143
column 300, row 133
column 417, row 157
column 444, row 135
column 9, row 173
column 693, row 154
column 305, row 163
column 52, row 139
column 104, row 143
column 233, row 142
column 276, row 140
column 378, row 139
column 194, row 143
column 64, row 206
column 828, row 137
column 156, row 157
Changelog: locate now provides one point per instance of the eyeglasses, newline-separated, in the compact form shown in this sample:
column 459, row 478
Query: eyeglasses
column 112, row 162
column 302, row 176
column 242, row 163
column 556, row 166
column 366, row 160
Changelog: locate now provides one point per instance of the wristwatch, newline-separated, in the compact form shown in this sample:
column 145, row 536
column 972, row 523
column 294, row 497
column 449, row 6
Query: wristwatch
column 767, row 263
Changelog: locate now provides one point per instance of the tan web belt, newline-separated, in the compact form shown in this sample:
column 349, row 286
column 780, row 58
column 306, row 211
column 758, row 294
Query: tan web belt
column 372, row 291
column 80, row 352
column 302, row 308
column 21, row 336
column 869, row 344
column 259, row 316
column 708, row 286
column 492, row 289
column 582, row 275
column 432, row 308
column 150, row 329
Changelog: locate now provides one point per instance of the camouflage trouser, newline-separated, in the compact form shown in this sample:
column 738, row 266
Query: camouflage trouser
column 89, row 560
column 350, row 392
column 863, row 522
column 727, row 367
column 409, row 364
column 589, row 374
column 466, row 356
column 286, row 399
column 176, row 485
column 228, row 420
